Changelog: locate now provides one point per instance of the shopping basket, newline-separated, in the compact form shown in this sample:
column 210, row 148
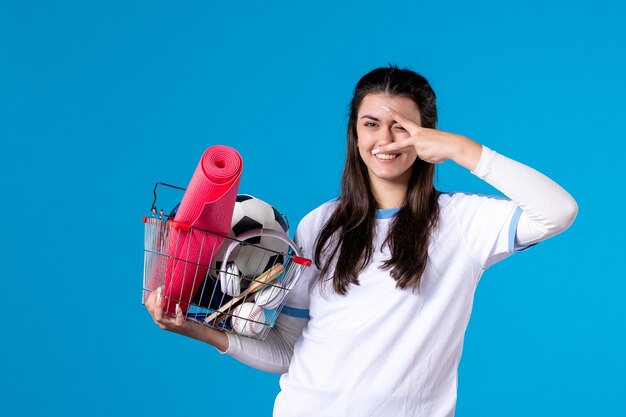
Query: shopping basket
column 220, row 297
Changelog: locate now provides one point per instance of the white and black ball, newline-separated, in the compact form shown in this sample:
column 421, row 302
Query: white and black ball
column 254, row 256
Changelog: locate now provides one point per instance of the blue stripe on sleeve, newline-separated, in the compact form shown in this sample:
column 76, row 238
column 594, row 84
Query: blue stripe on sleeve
column 299, row 313
column 513, row 229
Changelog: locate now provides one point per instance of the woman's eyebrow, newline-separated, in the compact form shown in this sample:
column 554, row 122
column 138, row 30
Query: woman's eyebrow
column 376, row 119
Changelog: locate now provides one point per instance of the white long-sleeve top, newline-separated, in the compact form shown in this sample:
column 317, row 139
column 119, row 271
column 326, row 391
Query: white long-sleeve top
column 546, row 210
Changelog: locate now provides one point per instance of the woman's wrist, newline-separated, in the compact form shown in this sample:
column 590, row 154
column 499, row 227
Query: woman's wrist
column 216, row 338
column 213, row 337
column 466, row 152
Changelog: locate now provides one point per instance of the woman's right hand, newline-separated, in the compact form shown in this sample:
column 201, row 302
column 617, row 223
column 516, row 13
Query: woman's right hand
column 154, row 304
column 179, row 325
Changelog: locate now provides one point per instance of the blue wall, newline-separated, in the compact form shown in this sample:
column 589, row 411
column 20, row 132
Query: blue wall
column 99, row 100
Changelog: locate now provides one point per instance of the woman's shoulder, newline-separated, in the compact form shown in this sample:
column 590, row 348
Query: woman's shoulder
column 312, row 223
column 468, row 205
column 321, row 212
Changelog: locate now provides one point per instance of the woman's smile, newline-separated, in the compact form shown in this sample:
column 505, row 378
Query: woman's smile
column 386, row 156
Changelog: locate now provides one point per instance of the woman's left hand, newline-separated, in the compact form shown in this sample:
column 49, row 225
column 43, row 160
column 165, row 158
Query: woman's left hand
column 432, row 145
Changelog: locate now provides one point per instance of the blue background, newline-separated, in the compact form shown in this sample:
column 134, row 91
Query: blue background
column 99, row 100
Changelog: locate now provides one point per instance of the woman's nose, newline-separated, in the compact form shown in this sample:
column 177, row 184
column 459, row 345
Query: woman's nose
column 385, row 136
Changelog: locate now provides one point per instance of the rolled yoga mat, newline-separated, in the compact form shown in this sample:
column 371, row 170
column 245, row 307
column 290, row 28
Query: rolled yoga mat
column 208, row 205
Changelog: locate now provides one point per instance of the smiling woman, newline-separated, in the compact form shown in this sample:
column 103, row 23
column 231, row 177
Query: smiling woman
column 376, row 128
column 375, row 327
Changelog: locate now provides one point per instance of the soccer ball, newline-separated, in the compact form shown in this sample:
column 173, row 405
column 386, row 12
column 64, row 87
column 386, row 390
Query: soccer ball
column 252, row 257
column 252, row 213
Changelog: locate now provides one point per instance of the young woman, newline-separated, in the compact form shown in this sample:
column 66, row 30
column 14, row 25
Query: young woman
column 375, row 327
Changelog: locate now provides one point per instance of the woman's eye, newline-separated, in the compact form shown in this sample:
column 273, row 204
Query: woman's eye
column 400, row 128
column 369, row 124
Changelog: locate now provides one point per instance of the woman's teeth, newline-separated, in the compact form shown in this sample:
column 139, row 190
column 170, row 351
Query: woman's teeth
column 386, row 156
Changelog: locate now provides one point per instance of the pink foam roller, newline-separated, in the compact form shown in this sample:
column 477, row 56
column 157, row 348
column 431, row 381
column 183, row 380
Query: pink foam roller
column 208, row 204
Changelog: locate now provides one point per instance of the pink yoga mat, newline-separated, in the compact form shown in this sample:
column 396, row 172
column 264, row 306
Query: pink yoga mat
column 208, row 204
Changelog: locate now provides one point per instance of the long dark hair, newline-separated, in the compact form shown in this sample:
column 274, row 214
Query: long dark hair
column 353, row 220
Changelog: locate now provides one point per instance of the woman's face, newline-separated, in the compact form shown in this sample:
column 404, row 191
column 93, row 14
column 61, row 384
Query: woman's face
column 375, row 127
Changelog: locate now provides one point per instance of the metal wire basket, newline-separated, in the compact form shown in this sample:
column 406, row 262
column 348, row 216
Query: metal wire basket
column 215, row 293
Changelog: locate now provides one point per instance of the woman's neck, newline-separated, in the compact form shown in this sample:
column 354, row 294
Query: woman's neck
column 388, row 194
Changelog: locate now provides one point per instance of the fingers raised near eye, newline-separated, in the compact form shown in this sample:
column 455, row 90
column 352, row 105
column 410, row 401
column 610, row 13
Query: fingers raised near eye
column 395, row 147
column 406, row 123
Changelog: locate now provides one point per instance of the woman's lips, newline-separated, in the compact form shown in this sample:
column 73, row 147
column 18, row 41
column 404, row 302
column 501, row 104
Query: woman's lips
column 385, row 157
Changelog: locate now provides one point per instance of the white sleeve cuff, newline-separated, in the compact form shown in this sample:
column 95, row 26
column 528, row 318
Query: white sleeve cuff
column 484, row 165
column 233, row 344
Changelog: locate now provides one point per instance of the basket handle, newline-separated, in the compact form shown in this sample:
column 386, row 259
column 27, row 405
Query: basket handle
column 153, row 209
